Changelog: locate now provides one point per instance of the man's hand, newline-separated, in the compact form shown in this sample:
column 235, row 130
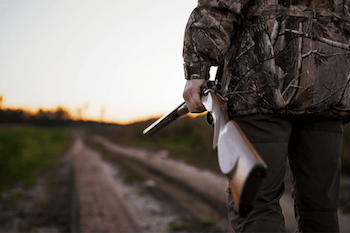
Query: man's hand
column 192, row 95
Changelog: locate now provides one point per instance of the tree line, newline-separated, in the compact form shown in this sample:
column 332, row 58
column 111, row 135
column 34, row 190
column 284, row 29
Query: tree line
column 58, row 117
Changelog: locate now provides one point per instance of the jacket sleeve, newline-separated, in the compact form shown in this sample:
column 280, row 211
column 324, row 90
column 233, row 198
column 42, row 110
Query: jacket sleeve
column 208, row 35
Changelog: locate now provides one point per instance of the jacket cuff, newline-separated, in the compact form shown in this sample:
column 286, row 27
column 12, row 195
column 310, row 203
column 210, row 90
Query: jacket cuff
column 197, row 70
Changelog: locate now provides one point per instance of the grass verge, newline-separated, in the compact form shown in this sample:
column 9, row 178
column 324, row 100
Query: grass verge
column 26, row 150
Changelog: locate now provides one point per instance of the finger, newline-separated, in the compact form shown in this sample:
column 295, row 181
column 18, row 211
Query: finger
column 191, row 99
column 197, row 103
column 194, row 103
column 192, row 95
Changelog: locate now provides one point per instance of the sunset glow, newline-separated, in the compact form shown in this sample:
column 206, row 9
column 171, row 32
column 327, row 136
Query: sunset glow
column 117, row 61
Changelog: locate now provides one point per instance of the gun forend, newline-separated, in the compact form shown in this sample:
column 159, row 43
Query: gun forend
column 166, row 119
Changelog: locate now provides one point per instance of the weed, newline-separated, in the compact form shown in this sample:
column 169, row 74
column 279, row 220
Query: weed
column 207, row 222
column 174, row 226
column 12, row 197
column 129, row 177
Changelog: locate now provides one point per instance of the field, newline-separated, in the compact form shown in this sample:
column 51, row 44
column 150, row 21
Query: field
column 25, row 151
column 29, row 154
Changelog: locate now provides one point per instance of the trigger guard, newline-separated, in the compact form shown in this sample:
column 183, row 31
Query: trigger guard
column 209, row 119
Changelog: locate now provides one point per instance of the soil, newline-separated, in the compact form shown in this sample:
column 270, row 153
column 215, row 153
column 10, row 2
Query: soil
column 44, row 207
column 157, row 203
column 161, row 204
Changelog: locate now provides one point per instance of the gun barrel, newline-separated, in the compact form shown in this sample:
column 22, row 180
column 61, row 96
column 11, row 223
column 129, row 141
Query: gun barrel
column 166, row 119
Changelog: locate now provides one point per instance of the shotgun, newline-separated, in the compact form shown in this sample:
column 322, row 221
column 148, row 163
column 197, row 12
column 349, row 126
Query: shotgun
column 237, row 158
column 166, row 119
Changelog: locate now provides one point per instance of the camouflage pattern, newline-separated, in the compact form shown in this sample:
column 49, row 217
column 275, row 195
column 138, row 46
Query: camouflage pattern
column 279, row 57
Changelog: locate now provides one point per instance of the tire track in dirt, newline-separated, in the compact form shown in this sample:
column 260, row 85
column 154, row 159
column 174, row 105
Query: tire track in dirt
column 100, row 207
column 106, row 204
column 191, row 211
column 175, row 186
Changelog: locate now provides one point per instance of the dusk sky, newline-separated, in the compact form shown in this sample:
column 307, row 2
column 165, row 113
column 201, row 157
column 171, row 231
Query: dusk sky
column 120, row 60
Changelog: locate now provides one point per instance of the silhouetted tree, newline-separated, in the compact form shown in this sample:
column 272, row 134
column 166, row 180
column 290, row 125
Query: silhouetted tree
column 60, row 116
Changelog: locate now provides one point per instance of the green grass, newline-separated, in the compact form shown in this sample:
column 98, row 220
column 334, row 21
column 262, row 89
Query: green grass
column 25, row 150
column 129, row 177
column 174, row 226
column 12, row 197
column 207, row 222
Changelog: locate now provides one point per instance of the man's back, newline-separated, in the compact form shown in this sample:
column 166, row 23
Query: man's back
column 285, row 57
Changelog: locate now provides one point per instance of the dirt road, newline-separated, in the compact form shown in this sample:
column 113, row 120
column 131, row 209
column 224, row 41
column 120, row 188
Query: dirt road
column 105, row 187
column 189, row 198
column 145, row 196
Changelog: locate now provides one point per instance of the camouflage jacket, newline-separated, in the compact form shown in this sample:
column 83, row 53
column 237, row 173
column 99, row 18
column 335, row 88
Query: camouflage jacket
column 279, row 56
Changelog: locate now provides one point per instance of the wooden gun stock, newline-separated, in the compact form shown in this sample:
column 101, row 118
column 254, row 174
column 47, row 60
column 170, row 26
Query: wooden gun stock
column 237, row 158
column 247, row 176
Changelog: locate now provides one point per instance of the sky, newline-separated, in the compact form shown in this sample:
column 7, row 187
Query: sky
column 117, row 61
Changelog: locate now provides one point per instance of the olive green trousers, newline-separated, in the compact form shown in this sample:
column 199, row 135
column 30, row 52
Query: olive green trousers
column 312, row 145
